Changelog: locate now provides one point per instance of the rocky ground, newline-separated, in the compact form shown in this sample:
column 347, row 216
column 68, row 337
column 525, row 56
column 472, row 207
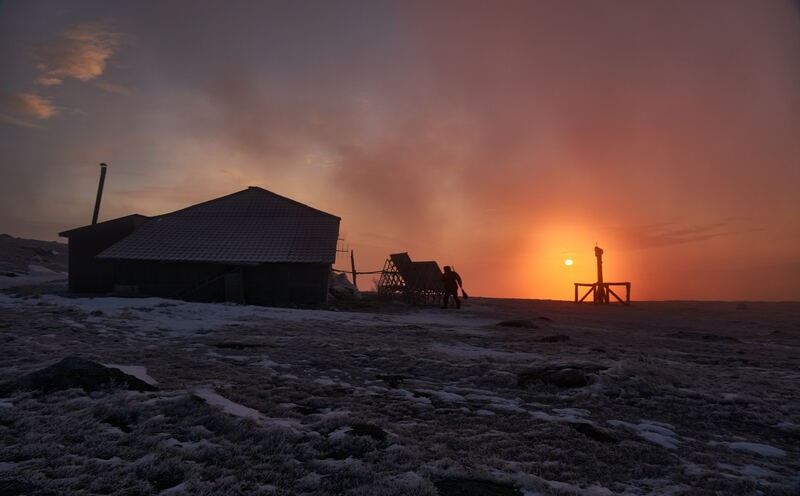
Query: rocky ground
column 505, row 397
column 502, row 397
column 17, row 255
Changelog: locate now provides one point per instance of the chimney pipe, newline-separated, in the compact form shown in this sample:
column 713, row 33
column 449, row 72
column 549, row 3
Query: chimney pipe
column 99, row 193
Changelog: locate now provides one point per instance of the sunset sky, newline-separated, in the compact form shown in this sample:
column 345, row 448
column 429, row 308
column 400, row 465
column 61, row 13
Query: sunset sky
column 498, row 137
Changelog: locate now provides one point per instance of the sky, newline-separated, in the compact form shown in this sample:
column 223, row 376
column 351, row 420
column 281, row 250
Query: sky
column 500, row 138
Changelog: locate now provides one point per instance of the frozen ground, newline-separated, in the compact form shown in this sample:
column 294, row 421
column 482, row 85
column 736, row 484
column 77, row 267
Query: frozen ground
column 677, row 398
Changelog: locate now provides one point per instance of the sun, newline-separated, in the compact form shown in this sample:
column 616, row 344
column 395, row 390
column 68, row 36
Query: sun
column 568, row 262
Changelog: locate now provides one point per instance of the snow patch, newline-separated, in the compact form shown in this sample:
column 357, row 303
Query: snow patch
column 269, row 364
column 328, row 382
column 584, row 491
column 461, row 350
column 238, row 410
column 759, row 449
column 227, row 405
column 656, row 432
column 339, row 433
column 408, row 479
column 442, row 395
column 747, row 470
column 136, row 371
column 563, row 415
column 36, row 275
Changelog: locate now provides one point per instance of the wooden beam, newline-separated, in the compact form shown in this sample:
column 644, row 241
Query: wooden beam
column 587, row 294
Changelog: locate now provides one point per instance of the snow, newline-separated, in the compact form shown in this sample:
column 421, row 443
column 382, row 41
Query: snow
column 227, row 405
column 339, row 433
column 36, row 275
column 442, row 395
column 572, row 415
column 494, row 402
column 239, row 410
column 267, row 363
column 747, row 470
column 137, row 371
column 456, row 406
column 178, row 489
column 176, row 317
column 462, row 350
column 757, row 448
column 656, row 432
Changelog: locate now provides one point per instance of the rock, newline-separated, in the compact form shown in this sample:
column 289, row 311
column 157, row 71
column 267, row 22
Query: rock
column 473, row 487
column 567, row 378
column 593, row 432
column 75, row 372
column 562, row 376
column 523, row 323
column 392, row 380
column 369, row 430
column 699, row 336
column 235, row 345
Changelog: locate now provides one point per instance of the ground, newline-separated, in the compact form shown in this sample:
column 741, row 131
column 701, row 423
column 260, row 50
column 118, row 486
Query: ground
column 500, row 397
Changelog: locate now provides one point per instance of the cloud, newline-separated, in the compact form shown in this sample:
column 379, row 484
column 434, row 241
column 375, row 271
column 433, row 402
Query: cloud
column 80, row 53
column 48, row 81
column 394, row 163
column 669, row 234
column 16, row 121
column 113, row 88
column 23, row 106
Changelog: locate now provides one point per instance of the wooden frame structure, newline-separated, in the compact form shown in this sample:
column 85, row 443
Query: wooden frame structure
column 601, row 290
column 418, row 283
column 602, row 296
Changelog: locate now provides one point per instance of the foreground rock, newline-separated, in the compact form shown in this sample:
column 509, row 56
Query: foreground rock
column 75, row 372
column 475, row 487
column 563, row 376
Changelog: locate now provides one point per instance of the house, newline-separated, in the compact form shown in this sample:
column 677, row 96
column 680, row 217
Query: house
column 253, row 246
column 87, row 273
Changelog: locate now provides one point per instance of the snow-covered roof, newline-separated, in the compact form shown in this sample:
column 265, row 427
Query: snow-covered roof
column 250, row 226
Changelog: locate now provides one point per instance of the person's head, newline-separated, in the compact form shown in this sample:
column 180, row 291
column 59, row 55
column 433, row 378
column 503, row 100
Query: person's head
column 447, row 268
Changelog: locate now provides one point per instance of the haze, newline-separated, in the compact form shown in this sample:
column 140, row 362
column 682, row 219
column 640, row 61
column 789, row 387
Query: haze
column 498, row 137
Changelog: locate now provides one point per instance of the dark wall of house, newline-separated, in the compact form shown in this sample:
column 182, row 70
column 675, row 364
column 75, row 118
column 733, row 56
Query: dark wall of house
column 287, row 284
column 186, row 281
column 267, row 284
column 88, row 274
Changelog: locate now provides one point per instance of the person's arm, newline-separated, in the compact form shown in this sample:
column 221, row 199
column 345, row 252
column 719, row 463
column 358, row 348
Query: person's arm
column 458, row 279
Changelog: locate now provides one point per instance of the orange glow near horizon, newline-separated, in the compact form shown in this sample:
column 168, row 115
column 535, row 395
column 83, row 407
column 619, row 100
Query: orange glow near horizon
column 676, row 151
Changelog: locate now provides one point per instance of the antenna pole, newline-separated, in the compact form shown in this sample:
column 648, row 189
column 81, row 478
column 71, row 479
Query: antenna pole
column 99, row 192
column 353, row 265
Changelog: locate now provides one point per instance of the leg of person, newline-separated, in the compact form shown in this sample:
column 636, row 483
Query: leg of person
column 445, row 298
column 458, row 302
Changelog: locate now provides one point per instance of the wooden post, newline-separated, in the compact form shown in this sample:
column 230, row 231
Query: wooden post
column 600, row 294
column 353, row 265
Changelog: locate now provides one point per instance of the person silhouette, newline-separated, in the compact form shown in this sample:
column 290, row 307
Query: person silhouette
column 451, row 282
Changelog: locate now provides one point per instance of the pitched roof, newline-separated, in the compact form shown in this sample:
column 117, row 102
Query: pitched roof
column 417, row 275
column 248, row 227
